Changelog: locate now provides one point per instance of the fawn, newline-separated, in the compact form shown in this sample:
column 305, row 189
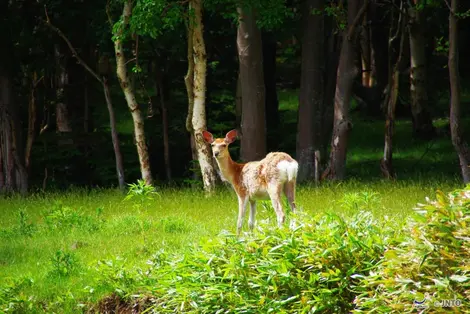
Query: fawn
column 256, row 180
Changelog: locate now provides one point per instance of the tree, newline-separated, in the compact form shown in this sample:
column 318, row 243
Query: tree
column 196, row 88
column 253, row 121
column 390, row 102
column 107, row 95
column 347, row 72
column 422, row 122
column 121, row 71
column 460, row 145
column 312, row 87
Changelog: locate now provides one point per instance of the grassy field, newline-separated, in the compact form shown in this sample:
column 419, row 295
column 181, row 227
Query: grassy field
column 56, row 241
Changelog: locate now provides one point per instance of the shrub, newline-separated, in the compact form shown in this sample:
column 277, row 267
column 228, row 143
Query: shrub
column 64, row 218
column 429, row 262
column 310, row 268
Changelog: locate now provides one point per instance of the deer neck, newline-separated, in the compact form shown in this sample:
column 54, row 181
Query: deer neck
column 229, row 169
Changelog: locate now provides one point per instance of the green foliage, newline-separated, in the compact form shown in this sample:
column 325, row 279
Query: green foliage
column 310, row 268
column 12, row 297
column 429, row 260
column 360, row 201
column 152, row 18
column 141, row 192
column 64, row 263
column 63, row 218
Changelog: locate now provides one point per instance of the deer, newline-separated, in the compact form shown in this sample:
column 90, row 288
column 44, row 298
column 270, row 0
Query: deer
column 256, row 180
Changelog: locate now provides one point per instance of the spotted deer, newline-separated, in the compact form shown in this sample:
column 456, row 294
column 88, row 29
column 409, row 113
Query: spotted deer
column 257, row 180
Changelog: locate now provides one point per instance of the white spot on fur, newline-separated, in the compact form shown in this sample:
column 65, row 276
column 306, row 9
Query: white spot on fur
column 288, row 170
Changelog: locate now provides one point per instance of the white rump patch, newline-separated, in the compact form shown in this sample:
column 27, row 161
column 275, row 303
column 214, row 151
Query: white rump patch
column 288, row 169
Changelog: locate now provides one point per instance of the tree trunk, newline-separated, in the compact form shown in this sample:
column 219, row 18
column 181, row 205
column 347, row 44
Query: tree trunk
column 460, row 145
column 196, row 87
column 332, row 51
column 165, row 125
column 14, row 170
column 386, row 164
column 63, row 123
column 114, row 135
column 253, row 126
column 103, row 69
column 134, row 108
column 272, row 103
column 366, row 54
column 238, row 104
column 312, row 88
column 31, row 121
column 422, row 122
column 347, row 72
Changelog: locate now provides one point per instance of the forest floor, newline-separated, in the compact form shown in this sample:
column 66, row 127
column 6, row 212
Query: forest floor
column 51, row 244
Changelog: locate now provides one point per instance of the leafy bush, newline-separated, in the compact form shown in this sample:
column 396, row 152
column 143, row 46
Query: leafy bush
column 12, row 299
column 310, row 268
column 64, row 263
column 63, row 217
column 429, row 262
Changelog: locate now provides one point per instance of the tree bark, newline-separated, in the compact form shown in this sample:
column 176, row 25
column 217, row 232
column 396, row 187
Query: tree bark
column 107, row 95
column 347, row 72
column 159, row 86
column 422, row 121
column 460, row 145
column 63, row 122
column 253, row 124
column 32, row 115
column 121, row 70
column 196, row 87
column 312, row 88
column 386, row 164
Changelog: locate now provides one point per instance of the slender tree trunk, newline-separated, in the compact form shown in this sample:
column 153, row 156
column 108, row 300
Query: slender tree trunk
column 386, row 164
column 312, row 88
column 272, row 103
column 165, row 125
column 460, row 145
column 114, row 135
column 63, row 123
column 332, row 51
column 366, row 53
column 253, row 126
column 86, row 105
column 103, row 68
column 347, row 72
column 139, row 131
column 32, row 115
column 238, row 104
column 196, row 87
column 422, row 122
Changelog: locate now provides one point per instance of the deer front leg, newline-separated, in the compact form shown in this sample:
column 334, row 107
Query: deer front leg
column 242, row 202
column 251, row 220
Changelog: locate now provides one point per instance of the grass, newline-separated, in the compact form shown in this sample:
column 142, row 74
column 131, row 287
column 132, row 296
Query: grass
column 60, row 254
column 59, row 239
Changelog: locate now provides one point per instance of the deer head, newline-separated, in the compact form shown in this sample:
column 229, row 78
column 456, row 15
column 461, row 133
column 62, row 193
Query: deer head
column 220, row 145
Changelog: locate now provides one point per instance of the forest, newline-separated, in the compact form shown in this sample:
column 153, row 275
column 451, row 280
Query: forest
column 111, row 200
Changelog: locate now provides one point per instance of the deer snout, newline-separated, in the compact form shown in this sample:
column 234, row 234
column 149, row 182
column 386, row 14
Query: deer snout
column 216, row 154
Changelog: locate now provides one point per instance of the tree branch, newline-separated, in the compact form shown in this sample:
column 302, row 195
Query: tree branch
column 357, row 19
column 72, row 49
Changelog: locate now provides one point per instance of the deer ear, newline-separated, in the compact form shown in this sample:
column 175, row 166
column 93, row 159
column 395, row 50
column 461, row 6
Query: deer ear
column 231, row 136
column 208, row 137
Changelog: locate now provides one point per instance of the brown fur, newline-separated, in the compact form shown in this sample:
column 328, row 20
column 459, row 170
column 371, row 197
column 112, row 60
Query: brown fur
column 264, row 179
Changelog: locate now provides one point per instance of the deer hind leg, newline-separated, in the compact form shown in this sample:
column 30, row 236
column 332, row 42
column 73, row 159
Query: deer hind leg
column 289, row 191
column 242, row 202
column 251, row 219
column 274, row 191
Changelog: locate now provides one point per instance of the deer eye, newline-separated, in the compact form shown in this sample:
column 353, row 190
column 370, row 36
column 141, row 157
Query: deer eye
column 223, row 145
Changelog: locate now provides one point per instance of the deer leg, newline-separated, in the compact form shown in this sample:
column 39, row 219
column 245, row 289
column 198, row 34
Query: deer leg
column 251, row 220
column 289, row 190
column 242, row 202
column 274, row 191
